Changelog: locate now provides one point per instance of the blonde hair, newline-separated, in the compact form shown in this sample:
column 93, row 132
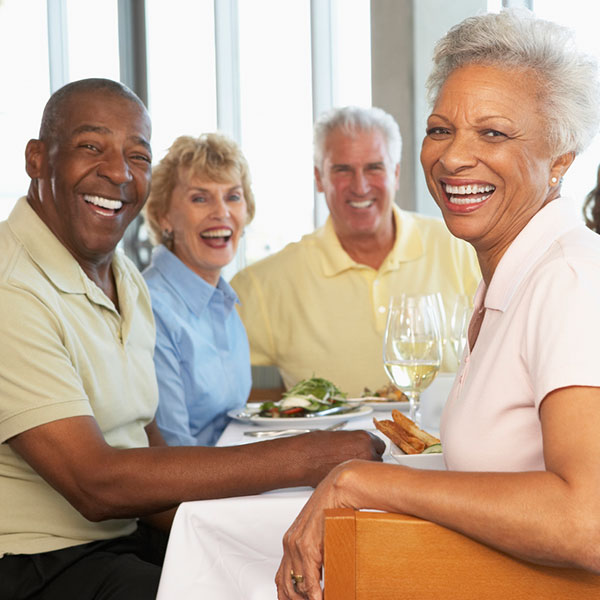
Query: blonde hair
column 212, row 156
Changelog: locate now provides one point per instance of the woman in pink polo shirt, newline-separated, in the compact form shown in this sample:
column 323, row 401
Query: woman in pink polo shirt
column 513, row 104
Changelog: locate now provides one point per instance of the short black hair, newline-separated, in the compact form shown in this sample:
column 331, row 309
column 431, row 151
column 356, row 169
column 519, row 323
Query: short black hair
column 54, row 109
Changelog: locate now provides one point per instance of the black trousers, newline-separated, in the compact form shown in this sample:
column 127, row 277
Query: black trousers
column 126, row 568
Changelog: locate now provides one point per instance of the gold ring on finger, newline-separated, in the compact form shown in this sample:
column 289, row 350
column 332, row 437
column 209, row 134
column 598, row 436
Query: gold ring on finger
column 296, row 577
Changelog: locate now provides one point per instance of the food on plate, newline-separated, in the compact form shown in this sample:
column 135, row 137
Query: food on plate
column 386, row 393
column 411, row 427
column 407, row 436
column 307, row 396
column 405, row 441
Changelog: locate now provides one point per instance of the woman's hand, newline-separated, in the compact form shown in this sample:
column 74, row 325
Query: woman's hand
column 303, row 541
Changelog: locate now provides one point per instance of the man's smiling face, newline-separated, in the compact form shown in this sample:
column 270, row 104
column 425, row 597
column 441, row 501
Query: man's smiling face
column 359, row 182
column 94, row 176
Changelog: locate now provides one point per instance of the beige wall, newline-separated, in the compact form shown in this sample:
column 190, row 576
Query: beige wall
column 392, row 80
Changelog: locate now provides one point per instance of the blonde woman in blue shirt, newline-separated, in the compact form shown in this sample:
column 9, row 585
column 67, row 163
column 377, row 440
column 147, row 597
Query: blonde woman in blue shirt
column 199, row 204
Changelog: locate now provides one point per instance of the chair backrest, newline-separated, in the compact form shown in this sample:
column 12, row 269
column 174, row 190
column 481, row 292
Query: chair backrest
column 383, row 556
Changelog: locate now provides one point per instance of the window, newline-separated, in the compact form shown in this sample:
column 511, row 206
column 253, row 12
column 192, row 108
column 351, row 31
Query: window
column 95, row 22
column 25, row 90
column 274, row 83
column 351, row 47
column 182, row 96
column 278, row 88
column 276, row 120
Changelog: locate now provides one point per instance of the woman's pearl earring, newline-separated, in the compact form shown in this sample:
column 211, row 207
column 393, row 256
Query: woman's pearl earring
column 554, row 180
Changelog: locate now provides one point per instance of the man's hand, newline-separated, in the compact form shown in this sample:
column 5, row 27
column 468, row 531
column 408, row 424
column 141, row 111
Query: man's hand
column 320, row 451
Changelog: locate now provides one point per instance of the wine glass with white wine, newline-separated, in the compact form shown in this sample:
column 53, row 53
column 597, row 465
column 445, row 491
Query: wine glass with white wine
column 412, row 346
column 459, row 324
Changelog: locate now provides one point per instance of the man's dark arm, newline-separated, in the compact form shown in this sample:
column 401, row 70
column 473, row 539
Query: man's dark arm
column 103, row 482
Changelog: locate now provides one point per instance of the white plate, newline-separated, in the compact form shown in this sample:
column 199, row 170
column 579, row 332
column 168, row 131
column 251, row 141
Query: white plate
column 250, row 415
column 418, row 461
column 388, row 405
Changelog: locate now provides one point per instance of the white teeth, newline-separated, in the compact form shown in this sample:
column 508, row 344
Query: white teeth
column 363, row 204
column 103, row 202
column 469, row 189
column 464, row 200
column 216, row 233
column 466, row 194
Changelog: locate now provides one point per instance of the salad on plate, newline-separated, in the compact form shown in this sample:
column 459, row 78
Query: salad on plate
column 315, row 396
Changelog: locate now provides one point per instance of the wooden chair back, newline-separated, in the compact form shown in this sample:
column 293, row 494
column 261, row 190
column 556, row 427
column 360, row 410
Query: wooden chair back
column 383, row 556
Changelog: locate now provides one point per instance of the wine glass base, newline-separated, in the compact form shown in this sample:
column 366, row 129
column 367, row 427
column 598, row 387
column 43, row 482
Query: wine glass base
column 414, row 411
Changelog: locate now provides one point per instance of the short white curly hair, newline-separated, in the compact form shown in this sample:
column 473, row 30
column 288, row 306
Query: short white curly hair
column 352, row 119
column 516, row 39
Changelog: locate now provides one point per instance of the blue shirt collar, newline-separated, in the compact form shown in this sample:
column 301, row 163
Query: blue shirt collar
column 193, row 290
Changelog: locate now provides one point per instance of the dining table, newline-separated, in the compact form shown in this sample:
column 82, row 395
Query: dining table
column 230, row 548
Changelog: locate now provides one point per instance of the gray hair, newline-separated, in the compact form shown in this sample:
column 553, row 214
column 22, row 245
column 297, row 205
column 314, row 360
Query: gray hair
column 351, row 119
column 515, row 39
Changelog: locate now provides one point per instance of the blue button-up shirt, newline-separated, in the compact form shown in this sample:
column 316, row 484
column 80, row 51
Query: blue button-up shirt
column 202, row 357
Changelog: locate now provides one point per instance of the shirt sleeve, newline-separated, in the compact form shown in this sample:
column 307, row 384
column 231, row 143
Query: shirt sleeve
column 172, row 415
column 39, row 382
column 254, row 313
column 561, row 344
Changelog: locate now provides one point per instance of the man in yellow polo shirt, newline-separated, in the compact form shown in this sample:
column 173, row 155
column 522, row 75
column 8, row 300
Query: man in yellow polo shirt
column 318, row 307
column 77, row 386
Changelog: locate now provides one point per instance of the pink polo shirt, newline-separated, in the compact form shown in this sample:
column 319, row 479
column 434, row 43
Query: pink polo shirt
column 540, row 332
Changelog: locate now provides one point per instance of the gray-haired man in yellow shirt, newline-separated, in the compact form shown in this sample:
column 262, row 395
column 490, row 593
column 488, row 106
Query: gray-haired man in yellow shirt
column 77, row 386
column 319, row 305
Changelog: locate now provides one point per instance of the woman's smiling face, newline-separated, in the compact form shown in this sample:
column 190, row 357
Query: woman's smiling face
column 207, row 219
column 486, row 155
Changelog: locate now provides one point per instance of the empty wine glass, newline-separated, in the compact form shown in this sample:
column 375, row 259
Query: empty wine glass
column 412, row 348
column 459, row 325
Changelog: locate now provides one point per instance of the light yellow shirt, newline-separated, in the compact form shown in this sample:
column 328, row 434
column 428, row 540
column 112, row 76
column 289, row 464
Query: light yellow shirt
column 65, row 352
column 312, row 310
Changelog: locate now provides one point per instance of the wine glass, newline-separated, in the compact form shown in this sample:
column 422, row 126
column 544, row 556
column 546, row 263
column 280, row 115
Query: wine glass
column 459, row 325
column 412, row 347
column 440, row 311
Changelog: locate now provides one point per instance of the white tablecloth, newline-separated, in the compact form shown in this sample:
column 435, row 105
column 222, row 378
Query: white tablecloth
column 230, row 549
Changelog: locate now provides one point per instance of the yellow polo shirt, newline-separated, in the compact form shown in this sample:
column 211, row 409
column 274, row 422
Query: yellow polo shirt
column 312, row 310
column 65, row 352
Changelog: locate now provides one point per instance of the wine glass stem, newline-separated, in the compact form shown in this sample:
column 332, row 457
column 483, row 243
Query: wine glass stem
column 414, row 407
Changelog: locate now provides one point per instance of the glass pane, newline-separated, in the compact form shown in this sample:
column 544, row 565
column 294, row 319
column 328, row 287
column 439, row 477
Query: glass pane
column 581, row 177
column 93, row 38
column 351, row 24
column 23, row 36
column 494, row 5
column 276, row 114
column 181, row 70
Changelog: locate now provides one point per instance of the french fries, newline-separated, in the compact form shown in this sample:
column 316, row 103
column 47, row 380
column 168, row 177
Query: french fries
column 407, row 442
column 408, row 425
column 405, row 434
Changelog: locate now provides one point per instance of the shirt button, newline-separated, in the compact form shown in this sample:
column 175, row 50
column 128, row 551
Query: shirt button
column 381, row 309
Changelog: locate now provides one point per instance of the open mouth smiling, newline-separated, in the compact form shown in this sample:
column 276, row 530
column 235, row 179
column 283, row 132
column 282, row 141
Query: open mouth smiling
column 104, row 203
column 361, row 203
column 468, row 194
column 222, row 234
